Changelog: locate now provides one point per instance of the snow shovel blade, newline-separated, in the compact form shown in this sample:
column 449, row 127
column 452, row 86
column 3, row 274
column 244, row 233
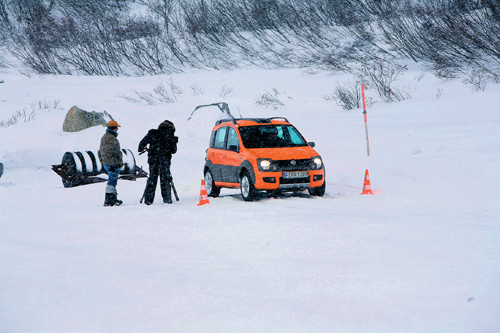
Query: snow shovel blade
column 72, row 179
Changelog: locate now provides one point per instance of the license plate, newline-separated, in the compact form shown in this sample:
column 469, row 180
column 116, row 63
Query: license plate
column 296, row 174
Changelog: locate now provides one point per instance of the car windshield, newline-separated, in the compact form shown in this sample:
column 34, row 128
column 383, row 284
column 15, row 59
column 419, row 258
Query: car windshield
column 271, row 136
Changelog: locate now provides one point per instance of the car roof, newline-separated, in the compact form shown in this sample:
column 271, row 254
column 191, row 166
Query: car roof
column 253, row 121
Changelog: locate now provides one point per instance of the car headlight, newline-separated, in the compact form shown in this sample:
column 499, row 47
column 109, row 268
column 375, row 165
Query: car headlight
column 317, row 163
column 265, row 165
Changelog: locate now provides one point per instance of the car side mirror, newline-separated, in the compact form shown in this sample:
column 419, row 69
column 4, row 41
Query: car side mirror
column 233, row 148
column 312, row 144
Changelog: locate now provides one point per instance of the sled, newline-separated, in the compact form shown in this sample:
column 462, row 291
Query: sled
column 83, row 168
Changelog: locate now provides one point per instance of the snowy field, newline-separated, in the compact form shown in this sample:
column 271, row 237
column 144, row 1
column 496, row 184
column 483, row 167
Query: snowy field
column 422, row 255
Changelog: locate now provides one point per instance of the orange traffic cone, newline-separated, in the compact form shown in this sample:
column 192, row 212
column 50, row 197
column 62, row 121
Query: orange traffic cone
column 367, row 188
column 203, row 194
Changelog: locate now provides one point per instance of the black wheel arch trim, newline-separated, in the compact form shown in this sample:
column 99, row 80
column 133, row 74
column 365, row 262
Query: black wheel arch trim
column 248, row 166
column 207, row 165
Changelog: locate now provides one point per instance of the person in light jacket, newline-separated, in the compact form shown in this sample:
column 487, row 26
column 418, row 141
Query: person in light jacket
column 111, row 157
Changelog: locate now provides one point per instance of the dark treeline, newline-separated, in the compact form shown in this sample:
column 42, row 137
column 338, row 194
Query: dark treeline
column 365, row 37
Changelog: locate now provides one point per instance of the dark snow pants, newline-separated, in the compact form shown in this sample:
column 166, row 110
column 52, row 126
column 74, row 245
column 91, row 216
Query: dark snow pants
column 158, row 169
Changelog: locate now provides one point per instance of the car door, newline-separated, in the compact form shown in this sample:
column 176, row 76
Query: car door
column 232, row 159
column 216, row 153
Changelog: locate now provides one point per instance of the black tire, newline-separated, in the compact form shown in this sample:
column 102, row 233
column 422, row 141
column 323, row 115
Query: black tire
column 69, row 167
column 212, row 190
column 248, row 191
column 276, row 194
column 318, row 191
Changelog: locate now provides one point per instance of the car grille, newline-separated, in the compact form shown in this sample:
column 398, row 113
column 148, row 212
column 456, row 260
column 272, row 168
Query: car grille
column 287, row 165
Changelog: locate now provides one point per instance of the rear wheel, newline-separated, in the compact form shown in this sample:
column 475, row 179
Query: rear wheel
column 212, row 190
column 318, row 191
column 248, row 191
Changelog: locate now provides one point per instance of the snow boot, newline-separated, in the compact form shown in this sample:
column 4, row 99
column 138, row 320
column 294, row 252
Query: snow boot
column 111, row 200
column 108, row 200
column 116, row 202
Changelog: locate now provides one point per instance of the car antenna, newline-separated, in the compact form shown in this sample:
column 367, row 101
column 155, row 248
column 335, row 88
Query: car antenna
column 223, row 106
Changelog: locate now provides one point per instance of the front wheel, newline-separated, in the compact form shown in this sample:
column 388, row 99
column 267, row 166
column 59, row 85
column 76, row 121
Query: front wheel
column 318, row 191
column 212, row 190
column 248, row 191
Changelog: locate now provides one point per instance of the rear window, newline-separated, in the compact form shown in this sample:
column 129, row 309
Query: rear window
column 271, row 136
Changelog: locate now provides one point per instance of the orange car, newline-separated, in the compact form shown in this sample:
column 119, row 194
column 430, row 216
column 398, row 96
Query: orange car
column 261, row 154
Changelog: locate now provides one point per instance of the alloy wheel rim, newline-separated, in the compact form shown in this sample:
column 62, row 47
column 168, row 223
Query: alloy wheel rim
column 245, row 186
column 208, row 182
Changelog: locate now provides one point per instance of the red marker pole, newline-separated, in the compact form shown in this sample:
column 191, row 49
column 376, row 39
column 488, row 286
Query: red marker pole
column 366, row 122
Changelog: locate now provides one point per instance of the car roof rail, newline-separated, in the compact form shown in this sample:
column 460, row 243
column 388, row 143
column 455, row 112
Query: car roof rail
column 283, row 118
column 235, row 120
column 220, row 121
column 256, row 120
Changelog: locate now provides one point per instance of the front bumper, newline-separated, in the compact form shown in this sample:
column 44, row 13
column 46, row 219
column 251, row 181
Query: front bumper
column 276, row 181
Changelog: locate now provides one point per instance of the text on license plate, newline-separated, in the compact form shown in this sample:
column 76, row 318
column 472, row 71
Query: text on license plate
column 296, row 174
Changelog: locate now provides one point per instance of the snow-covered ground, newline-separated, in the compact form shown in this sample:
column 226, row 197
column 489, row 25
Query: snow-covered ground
column 422, row 255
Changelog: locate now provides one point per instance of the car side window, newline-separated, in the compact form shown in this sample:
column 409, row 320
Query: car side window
column 232, row 140
column 280, row 132
column 220, row 138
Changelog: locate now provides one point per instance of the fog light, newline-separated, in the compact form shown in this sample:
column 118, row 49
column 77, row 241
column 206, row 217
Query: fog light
column 317, row 177
column 269, row 179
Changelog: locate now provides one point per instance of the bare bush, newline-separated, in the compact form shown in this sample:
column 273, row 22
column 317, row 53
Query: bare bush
column 3, row 62
column 167, row 93
column 162, row 93
column 348, row 95
column 439, row 93
column 27, row 115
column 105, row 38
column 196, row 90
column 479, row 77
column 225, row 91
column 270, row 99
column 449, row 34
column 381, row 74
